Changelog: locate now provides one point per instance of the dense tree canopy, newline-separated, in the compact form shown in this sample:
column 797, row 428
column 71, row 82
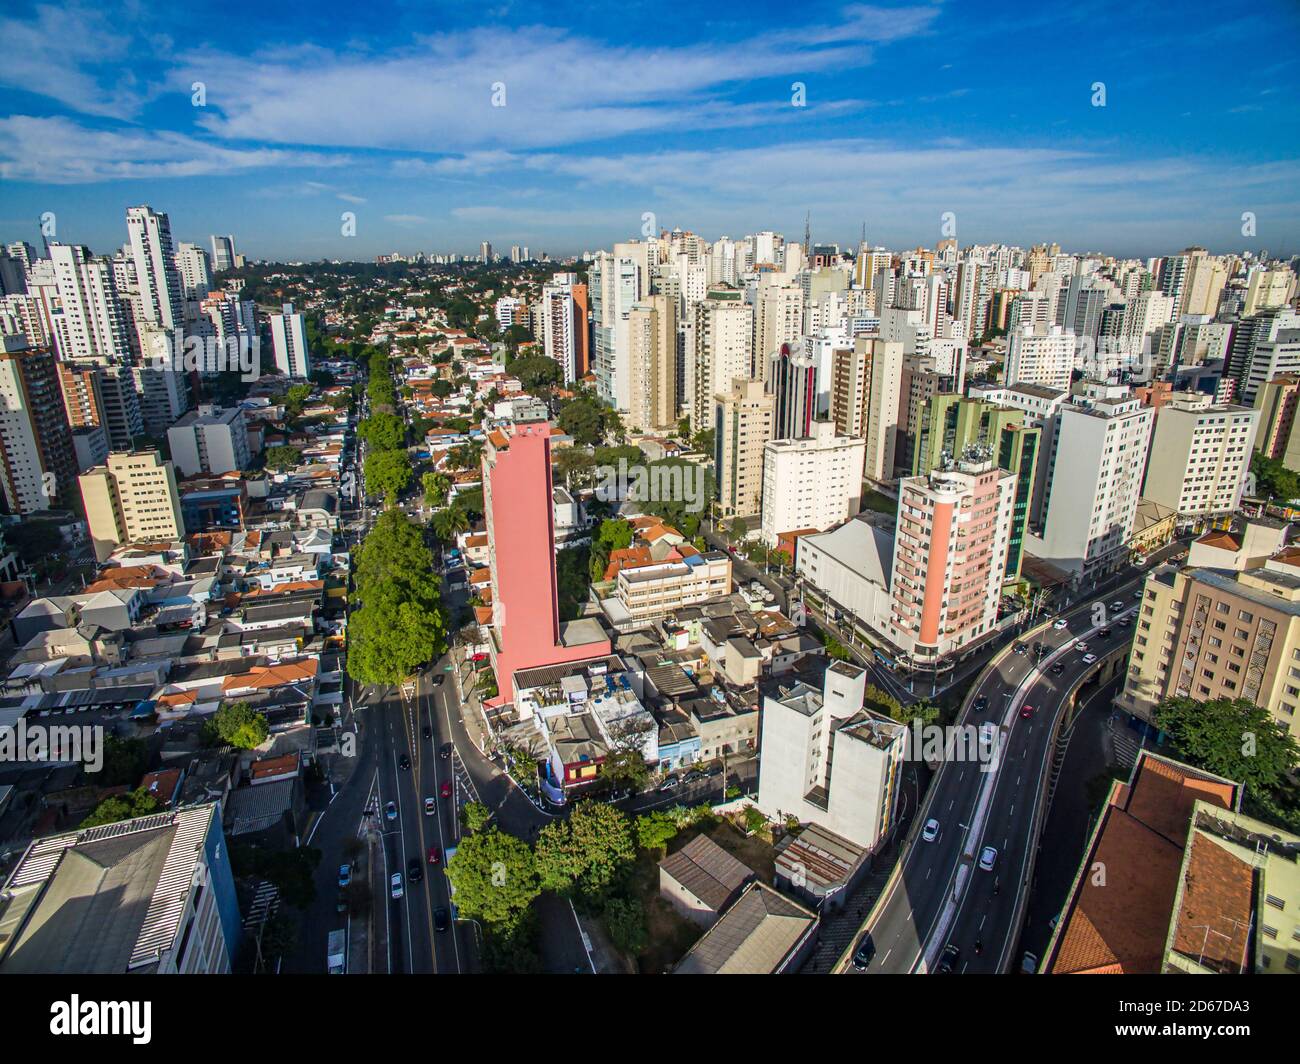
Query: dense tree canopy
column 388, row 474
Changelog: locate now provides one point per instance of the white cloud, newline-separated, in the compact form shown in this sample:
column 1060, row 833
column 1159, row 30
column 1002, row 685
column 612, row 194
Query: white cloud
column 59, row 151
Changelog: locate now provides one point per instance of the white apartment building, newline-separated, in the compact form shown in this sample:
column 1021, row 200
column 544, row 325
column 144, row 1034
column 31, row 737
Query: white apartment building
column 289, row 343
column 196, row 275
column 1200, row 454
column 723, row 346
column 647, row 592
column 159, row 283
column 884, row 403
column 1271, row 358
column 88, row 320
column 209, row 440
column 1094, row 464
column 742, row 428
column 508, row 312
column 558, row 323
column 1043, row 355
column 813, row 482
column 806, row 731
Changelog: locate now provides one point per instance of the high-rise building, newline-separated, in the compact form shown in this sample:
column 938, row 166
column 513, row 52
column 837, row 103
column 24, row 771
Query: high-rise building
column 884, row 404
column 223, row 253
column 1040, row 356
column 813, row 482
column 742, row 428
column 1200, row 454
column 485, row 251
column 1268, row 290
column 778, row 319
column 723, row 350
column 1094, row 457
column 1270, row 359
column 950, row 552
column 1276, row 401
column 652, row 365
column 162, row 300
column 289, row 342
column 194, row 266
column 132, row 498
column 563, row 324
column 88, row 321
column 793, row 377
column 38, row 464
column 518, row 504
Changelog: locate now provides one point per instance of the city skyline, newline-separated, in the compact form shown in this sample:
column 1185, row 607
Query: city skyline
column 715, row 126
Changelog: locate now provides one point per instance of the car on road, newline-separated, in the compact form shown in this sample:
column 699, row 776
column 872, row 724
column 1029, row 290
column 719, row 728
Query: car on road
column 413, row 870
column 403, row 762
column 437, row 680
column 931, row 830
column 1117, row 605
column 1103, row 633
column 444, row 751
column 390, row 810
column 949, row 960
column 981, row 703
column 435, row 855
column 1126, row 622
column 670, row 784
column 1026, row 711
column 429, row 807
column 1019, row 648
column 440, row 920
column 1040, row 648
column 694, row 777
column 1029, row 964
column 864, row 953
column 342, row 904
column 1089, row 659
column 1060, row 623
column 1081, row 647
column 713, row 770
column 1058, row 667
column 988, row 858
column 426, row 732
column 345, row 874
column 395, row 885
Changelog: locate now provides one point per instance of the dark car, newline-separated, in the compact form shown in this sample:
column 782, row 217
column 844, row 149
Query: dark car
column 426, row 732
column 437, row 680
column 435, row 855
column 981, row 703
column 1019, row 648
column 694, row 777
column 444, row 751
column 440, row 920
column 1103, row 633
column 414, row 870
column 403, row 762
column 863, row 955
column 1058, row 667
column 1040, row 648
column 949, row 960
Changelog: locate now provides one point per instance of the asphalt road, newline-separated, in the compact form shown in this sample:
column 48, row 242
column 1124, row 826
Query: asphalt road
column 918, row 915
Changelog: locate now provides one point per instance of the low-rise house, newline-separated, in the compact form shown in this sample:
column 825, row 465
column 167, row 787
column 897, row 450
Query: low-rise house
column 701, row 879
column 763, row 933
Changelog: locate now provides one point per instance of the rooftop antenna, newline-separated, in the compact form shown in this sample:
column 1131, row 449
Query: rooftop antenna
column 807, row 233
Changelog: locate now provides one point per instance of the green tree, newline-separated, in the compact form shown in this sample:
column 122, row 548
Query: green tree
column 615, row 534
column 1273, row 480
column 625, row 922
column 585, row 854
column 238, row 724
column 388, row 637
column 296, row 398
column 388, row 474
column 138, row 802
column 575, row 467
column 1233, row 738
column 383, row 431
column 448, row 523
column 536, row 372
column 625, row 767
column 495, row 878
column 436, row 486
column 282, row 457
column 475, row 816
column 656, row 829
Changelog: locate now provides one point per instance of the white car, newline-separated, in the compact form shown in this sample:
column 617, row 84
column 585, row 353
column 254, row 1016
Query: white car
column 931, row 830
column 428, row 807
column 1060, row 623
column 1088, row 659
column 396, row 885
column 988, row 858
column 1081, row 647
column 1117, row 605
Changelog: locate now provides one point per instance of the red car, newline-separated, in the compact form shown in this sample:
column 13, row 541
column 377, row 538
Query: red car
column 445, row 789
column 1026, row 711
column 435, row 855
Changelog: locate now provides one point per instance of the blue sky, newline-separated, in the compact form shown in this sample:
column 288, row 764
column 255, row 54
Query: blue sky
column 682, row 109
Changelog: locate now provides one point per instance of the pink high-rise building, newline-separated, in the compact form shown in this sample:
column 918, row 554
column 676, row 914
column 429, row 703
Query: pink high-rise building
column 517, row 497
column 954, row 527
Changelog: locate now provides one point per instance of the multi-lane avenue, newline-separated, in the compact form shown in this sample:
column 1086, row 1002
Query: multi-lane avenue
column 939, row 895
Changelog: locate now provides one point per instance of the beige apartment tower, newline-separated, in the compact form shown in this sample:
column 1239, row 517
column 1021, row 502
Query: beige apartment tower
column 132, row 498
column 745, row 417
column 652, row 365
